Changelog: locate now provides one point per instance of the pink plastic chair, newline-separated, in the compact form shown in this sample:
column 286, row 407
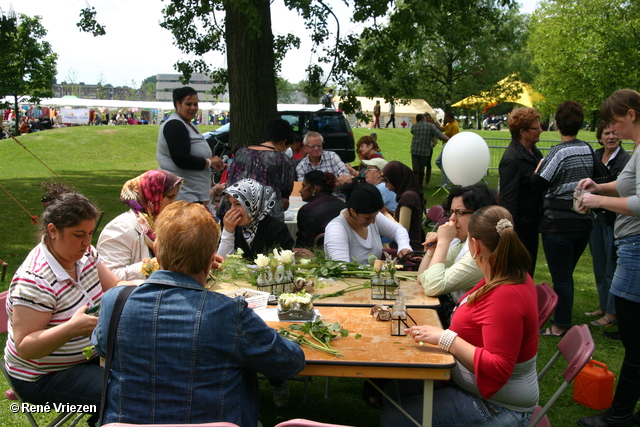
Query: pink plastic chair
column 220, row 424
column 434, row 217
column 576, row 347
column 547, row 301
column 299, row 422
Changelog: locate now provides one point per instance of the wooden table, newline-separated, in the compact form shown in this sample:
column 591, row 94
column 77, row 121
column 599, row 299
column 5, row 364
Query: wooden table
column 378, row 354
column 414, row 296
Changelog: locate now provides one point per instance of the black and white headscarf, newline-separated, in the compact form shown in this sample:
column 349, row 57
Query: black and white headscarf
column 256, row 199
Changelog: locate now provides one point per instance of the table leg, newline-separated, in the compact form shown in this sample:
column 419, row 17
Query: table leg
column 427, row 404
column 399, row 406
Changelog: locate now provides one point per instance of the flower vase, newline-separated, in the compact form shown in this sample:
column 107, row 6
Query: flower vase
column 377, row 286
column 262, row 279
column 391, row 285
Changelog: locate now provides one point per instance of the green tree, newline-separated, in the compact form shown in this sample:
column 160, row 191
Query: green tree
column 455, row 50
column 27, row 63
column 585, row 50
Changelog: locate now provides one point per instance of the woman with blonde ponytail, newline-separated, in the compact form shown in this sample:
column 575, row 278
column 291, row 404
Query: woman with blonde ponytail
column 493, row 336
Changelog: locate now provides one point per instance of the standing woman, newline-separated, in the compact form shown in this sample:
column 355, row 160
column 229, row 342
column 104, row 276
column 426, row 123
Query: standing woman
column 268, row 164
column 622, row 110
column 565, row 232
column 48, row 297
column 601, row 242
column 409, row 196
column 128, row 239
column 321, row 206
column 184, row 152
column 517, row 166
column 493, row 337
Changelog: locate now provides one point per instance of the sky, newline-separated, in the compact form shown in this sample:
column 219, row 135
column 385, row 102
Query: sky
column 136, row 47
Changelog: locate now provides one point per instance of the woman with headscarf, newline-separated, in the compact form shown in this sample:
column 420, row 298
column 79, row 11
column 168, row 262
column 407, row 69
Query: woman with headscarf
column 128, row 239
column 248, row 223
column 410, row 200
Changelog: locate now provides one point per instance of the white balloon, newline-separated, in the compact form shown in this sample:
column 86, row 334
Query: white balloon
column 465, row 158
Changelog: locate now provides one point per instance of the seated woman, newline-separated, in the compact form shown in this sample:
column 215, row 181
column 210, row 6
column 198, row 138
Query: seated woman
column 321, row 206
column 128, row 239
column 493, row 337
column 400, row 178
column 248, row 224
column 356, row 232
column 48, row 296
column 183, row 354
column 447, row 265
column 367, row 148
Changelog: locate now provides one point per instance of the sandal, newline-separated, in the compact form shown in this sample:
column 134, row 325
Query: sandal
column 604, row 321
column 595, row 313
column 548, row 332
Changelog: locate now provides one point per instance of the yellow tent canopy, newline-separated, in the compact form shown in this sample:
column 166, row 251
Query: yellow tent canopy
column 509, row 90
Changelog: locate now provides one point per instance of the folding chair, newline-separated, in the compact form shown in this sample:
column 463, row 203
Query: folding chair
column 432, row 216
column 299, row 422
column 61, row 419
column 576, row 347
column 547, row 301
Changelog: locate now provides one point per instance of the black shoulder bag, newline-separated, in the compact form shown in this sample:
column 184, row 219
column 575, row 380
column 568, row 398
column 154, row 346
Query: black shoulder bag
column 601, row 173
column 121, row 299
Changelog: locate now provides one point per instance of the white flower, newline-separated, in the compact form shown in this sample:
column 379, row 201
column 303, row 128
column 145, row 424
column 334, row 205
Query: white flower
column 287, row 257
column 276, row 255
column 239, row 251
column 305, row 261
column 261, row 261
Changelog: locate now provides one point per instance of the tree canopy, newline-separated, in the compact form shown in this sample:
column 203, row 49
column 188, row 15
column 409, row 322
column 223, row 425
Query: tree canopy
column 27, row 63
column 442, row 52
column 584, row 51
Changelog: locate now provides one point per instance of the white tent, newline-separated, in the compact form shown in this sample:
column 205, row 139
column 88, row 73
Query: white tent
column 404, row 113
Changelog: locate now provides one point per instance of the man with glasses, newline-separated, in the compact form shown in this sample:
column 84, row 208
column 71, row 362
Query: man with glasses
column 317, row 159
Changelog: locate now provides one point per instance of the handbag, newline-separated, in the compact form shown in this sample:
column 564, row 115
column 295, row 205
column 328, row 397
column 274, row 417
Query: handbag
column 121, row 299
column 601, row 174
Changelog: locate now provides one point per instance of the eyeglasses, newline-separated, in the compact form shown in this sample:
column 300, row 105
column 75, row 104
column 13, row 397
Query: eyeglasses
column 459, row 212
column 313, row 147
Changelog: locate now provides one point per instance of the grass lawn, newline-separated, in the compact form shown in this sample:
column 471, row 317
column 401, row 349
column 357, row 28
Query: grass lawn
column 98, row 160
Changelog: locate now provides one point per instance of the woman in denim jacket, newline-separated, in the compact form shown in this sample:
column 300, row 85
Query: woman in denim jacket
column 184, row 354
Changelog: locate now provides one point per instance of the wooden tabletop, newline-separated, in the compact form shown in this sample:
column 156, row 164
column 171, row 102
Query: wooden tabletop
column 376, row 354
column 414, row 296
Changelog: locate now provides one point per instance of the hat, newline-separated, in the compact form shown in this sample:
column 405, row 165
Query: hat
column 378, row 162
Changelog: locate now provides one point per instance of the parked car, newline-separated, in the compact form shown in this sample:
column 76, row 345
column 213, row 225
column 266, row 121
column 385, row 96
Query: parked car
column 331, row 124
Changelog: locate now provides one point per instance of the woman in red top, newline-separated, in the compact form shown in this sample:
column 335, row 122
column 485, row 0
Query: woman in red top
column 493, row 336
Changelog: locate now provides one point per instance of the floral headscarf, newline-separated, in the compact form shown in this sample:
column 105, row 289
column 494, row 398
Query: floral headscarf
column 144, row 194
column 257, row 201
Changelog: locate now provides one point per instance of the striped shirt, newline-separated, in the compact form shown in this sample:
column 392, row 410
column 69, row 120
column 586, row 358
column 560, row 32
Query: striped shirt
column 43, row 285
column 565, row 165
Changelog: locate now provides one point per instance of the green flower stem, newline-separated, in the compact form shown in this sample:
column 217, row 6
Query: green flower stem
column 300, row 339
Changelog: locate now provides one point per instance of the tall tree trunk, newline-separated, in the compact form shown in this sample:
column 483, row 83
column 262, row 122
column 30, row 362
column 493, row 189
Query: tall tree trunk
column 250, row 62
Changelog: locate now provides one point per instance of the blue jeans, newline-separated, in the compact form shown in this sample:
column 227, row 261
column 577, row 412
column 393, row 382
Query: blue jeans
column 563, row 252
column 604, row 263
column 626, row 280
column 79, row 385
column 452, row 406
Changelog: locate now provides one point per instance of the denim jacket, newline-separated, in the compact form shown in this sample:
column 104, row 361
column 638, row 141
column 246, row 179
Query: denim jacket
column 186, row 355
